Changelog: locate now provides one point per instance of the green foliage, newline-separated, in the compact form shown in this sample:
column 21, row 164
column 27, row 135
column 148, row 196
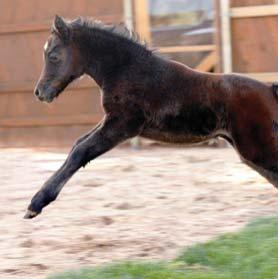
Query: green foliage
column 249, row 254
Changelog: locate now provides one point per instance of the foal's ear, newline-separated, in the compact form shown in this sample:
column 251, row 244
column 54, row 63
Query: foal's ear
column 61, row 28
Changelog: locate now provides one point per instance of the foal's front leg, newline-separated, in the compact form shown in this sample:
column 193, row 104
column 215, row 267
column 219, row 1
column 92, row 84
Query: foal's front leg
column 109, row 133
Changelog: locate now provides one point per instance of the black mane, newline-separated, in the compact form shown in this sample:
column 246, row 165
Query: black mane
column 120, row 31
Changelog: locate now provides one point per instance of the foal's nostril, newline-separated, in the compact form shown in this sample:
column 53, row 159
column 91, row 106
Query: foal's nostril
column 37, row 92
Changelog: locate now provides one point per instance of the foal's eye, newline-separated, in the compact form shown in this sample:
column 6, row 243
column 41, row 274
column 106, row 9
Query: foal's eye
column 53, row 58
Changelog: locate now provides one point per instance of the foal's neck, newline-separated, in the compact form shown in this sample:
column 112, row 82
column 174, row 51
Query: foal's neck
column 106, row 54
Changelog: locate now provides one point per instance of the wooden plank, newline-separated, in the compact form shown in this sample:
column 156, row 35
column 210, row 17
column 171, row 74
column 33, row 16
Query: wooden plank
column 49, row 121
column 63, row 136
column 255, row 11
column 226, row 37
column 263, row 77
column 245, row 3
column 208, row 62
column 28, row 86
column 217, row 36
column 45, row 26
column 24, row 27
column 254, row 44
column 142, row 19
column 193, row 48
column 128, row 14
column 19, row 11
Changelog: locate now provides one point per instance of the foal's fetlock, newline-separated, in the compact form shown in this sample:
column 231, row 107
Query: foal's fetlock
column 39, row 201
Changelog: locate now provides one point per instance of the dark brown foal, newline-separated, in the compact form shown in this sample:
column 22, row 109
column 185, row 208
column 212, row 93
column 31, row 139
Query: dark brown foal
column 144, row 94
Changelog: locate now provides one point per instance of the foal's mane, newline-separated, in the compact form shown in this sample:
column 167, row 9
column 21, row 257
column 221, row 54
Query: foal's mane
column 120, row 31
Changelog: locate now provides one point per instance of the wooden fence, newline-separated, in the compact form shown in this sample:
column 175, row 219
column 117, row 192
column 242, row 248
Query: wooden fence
column 245, row 41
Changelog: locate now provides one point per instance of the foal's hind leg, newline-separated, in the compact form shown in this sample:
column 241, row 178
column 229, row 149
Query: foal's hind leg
column 270, row 175
column 250, row 126
column 260, row 154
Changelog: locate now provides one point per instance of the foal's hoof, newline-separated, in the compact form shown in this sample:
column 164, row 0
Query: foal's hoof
column 30, row 214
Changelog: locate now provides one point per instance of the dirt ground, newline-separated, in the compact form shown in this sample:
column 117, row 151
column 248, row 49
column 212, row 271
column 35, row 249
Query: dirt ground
column 128, row 204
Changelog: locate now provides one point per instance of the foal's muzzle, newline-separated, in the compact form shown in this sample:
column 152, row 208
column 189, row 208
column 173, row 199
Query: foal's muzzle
column 46, row 95
column 38, row 94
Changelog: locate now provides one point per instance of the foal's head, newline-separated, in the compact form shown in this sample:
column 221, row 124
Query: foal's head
column 62, row 62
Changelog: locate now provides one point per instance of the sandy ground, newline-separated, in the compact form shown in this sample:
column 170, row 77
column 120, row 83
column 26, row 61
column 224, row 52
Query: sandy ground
column 128, row 204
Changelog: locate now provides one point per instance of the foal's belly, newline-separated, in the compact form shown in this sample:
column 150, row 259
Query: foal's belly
column 170, row 137
column 191, row 125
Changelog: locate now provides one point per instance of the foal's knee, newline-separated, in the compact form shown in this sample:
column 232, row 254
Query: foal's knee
column 41, row 199
column 79, row 156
